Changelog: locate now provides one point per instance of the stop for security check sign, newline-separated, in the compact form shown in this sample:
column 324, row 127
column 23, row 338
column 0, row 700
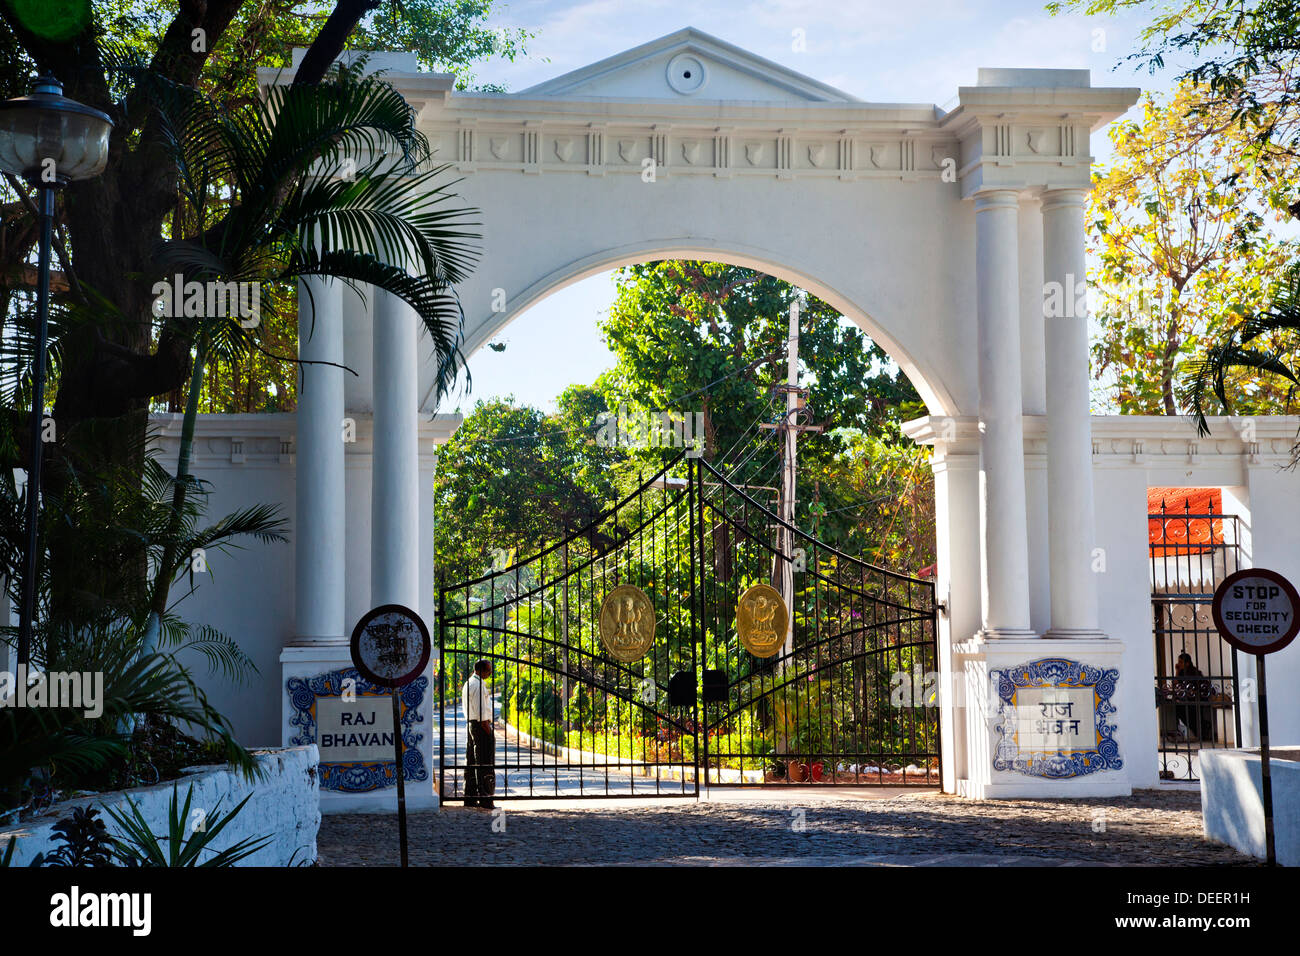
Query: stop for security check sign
column 1255, row 611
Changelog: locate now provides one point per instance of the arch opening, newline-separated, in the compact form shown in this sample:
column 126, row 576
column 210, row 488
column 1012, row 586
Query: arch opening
column 485, row 326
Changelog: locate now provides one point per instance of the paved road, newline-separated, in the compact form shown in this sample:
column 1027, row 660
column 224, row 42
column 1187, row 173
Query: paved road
column 842, row 826
column 523, row 770
column 805, row 827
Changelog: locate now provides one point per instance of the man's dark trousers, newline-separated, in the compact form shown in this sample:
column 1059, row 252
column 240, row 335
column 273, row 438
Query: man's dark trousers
column 480, row 754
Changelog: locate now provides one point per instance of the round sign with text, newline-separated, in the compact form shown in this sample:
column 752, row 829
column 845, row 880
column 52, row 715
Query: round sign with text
column 1255, row 611
column 390, row 645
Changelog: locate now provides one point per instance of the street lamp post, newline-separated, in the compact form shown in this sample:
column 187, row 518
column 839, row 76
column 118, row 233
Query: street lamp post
column 48, row 140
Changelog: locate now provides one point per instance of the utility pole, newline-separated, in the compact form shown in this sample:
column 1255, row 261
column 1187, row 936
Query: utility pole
column 791, row 427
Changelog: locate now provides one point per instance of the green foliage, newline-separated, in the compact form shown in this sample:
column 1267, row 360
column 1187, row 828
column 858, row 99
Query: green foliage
column 447, row 36
column 711, row 338
column 95, row 523
column 536, row 709
column 1183, row 249
column 316, row 180
column 1241, row 56
column 874, row 499
column 68, row 745
column 1266, row 343
column 141, row 847
column 513, row 477
column 85, row 841
column 547, row 704
column 305, row 195
column 582, row 706
column 218, row 178
column 706, row 338
column 109, row 518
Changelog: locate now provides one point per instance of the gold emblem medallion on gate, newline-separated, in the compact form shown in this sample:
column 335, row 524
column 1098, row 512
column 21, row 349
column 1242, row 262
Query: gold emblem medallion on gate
column 762, row 620
column 627, row 623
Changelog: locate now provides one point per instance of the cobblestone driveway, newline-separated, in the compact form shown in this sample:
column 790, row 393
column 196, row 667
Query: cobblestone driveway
column 1151, row 828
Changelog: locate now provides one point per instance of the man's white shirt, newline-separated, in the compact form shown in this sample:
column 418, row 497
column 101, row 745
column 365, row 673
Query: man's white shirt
column 476, row 699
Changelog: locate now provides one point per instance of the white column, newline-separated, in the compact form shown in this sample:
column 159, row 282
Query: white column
column 1033, row 390
column 1004, row 534
column 320, row 522
column 1071, row 513
column 1033, row 375
column 395, row 489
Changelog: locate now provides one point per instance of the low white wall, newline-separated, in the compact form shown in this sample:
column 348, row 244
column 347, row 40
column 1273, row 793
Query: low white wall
column 285, row 805
column 1232, row 801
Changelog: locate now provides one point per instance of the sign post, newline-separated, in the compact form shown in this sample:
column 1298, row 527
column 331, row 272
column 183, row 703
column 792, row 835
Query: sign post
column 1255, row 611
column 390, row 647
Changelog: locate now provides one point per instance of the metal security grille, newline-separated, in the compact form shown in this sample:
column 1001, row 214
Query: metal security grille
column 850, row 701
column 1197, row 688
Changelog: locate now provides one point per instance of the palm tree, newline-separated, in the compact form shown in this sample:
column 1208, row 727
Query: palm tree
column 314, row 180
column 1240, row 350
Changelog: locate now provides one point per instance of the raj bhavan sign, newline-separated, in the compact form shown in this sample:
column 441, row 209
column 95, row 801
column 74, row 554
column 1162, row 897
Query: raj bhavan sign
column 1055, row 718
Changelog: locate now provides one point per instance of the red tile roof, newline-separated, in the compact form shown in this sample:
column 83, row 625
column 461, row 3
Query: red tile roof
column 1186, row 526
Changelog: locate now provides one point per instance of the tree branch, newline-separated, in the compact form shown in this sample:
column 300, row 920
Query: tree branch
column 327, row 46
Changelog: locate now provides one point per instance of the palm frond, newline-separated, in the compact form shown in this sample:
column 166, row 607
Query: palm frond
column 224, row 657
column 437, row 306
column 1207, row 377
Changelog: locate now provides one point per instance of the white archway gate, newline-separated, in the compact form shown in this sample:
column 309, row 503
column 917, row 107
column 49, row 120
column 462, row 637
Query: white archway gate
column 946, row 236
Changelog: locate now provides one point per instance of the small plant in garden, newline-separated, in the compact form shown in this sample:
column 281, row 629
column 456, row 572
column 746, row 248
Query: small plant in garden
column 86, row 841
column 548, row 705
column 140, row 847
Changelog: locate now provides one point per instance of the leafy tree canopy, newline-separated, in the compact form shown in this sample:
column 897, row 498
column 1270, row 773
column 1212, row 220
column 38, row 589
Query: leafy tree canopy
column 513, row 477
column 704, row 339
column 1246, row 65
column 710, row 339
column 1183, row 238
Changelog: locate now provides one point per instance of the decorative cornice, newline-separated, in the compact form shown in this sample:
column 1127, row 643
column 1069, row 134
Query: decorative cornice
column 1134, row 440
column 269, row 440
column 776, row 143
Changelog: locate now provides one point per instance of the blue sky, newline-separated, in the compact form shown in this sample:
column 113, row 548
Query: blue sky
column 915, row 52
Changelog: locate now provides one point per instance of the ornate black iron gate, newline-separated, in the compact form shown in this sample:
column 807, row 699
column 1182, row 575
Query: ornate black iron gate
column 1198, row 692
column 850, row 695
column 846, row 697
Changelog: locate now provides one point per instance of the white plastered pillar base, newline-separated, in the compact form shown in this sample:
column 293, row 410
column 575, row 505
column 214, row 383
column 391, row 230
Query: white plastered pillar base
column 987, row 739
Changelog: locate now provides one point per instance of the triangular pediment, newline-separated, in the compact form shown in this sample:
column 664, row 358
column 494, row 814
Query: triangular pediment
column 689, row 64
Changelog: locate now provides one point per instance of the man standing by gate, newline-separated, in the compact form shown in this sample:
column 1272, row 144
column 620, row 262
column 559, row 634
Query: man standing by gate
column 480, row 746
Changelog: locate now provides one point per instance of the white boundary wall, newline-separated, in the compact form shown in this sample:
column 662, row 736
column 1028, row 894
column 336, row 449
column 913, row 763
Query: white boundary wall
column 285, row 806
column 249, row 593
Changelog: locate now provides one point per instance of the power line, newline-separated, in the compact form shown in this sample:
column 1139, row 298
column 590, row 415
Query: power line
column 674, row 400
